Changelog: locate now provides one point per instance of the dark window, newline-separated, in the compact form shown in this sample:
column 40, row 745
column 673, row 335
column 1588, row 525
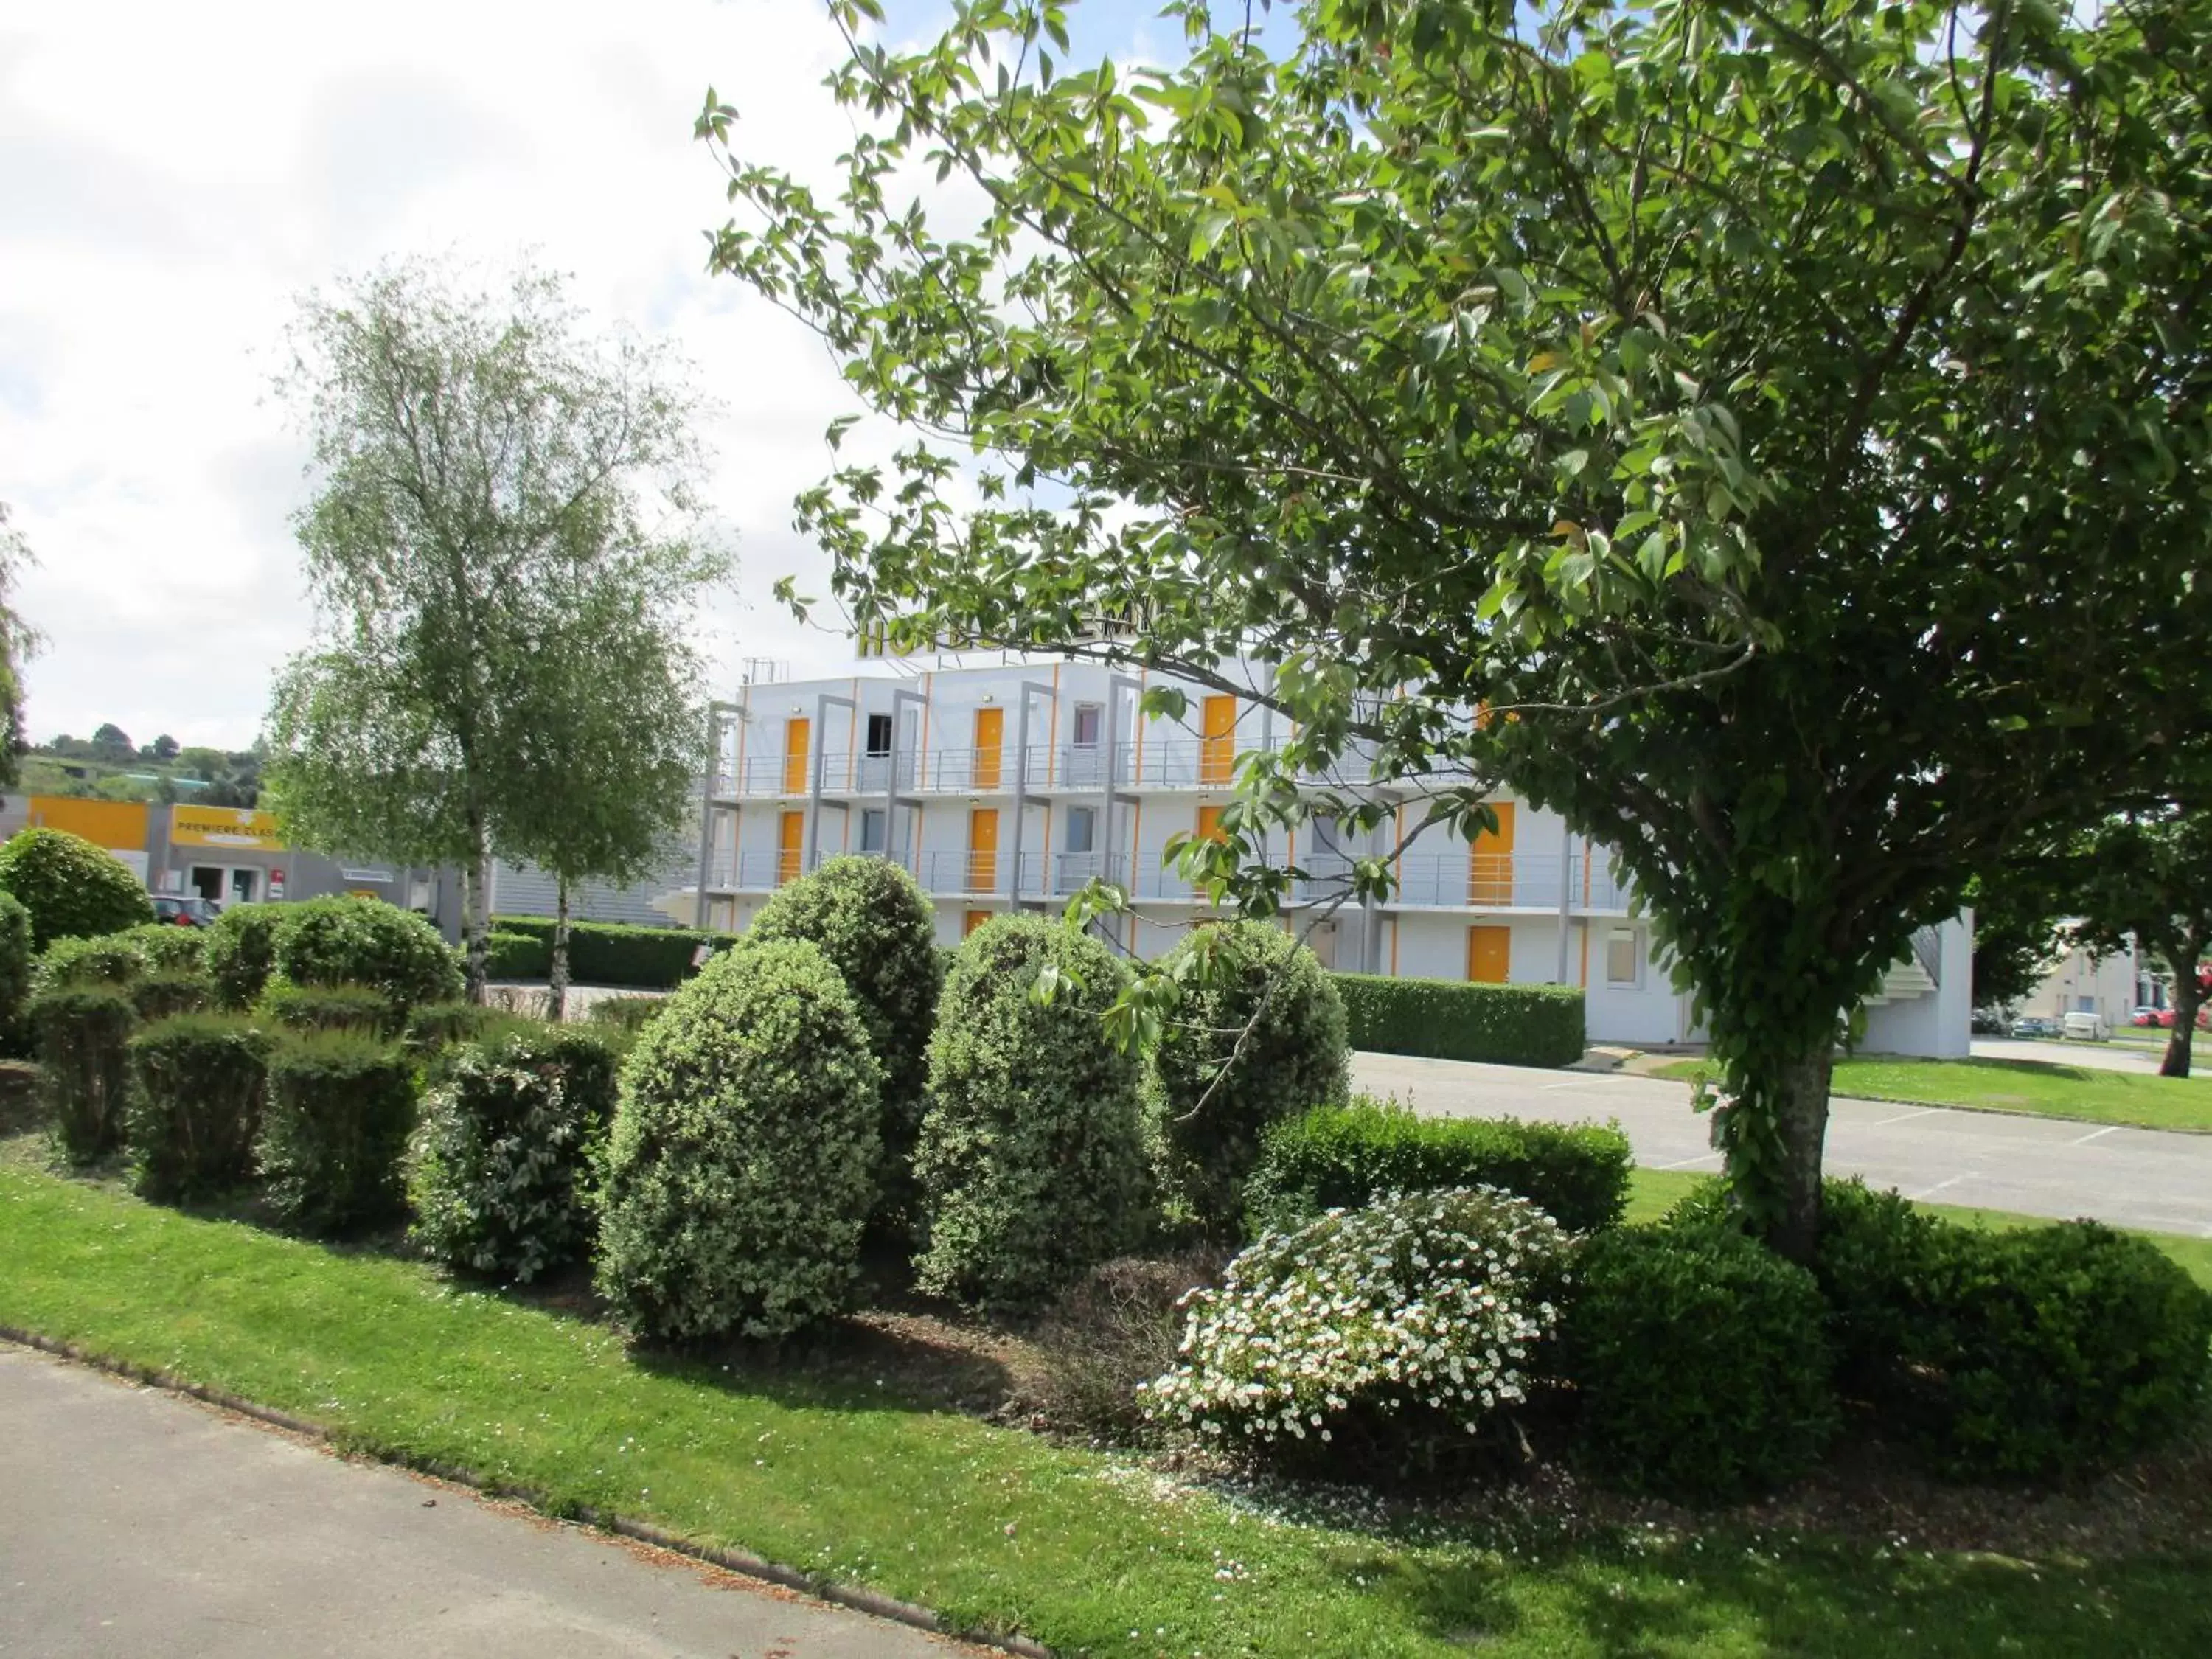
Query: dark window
column 879, row 734
column 1087, row 717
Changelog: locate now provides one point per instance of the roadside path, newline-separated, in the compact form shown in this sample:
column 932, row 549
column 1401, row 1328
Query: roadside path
column 2148, row 1178
column 139, row 1523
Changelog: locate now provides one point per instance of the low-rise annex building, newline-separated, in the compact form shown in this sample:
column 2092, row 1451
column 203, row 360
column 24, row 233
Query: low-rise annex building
column 1011, row 784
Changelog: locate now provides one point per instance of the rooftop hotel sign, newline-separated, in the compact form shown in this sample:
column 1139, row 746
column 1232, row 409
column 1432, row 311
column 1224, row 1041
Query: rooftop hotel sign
column 224, row 826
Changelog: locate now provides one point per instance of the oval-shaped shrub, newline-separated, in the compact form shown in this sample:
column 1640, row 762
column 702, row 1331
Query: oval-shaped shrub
column 112, row 959
column 2058, row 1349
column 326, row 1007
column 1411, row 1321
column 742, row 1164
column 871, row 919
column 1700, row 1363
column 195, row 1103
column 1030, row 1164
column 17, row 957
column 1258, row 1036
column 71, row 887
column 83, row 1034
column 334, row 1121
column 498, row 1165
column 169, row 949
column 357, row 941
column 1342, row 1156
column 239, row 952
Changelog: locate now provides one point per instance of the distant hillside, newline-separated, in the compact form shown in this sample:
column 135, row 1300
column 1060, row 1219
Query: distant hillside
column 108, row 766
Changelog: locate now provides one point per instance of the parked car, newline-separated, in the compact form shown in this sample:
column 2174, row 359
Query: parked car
column 2150, row 1017
column 2034, row 1026
column 2087, row 1028
column 191, row 911
column 1990, row 1022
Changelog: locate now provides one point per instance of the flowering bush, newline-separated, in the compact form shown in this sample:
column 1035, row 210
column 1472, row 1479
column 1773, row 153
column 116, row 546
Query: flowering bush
column 1424, row 1306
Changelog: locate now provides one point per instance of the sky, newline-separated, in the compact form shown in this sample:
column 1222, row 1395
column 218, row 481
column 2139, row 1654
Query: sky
column 173, row 178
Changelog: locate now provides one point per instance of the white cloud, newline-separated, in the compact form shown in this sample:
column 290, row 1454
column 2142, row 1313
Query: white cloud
column 175, row 176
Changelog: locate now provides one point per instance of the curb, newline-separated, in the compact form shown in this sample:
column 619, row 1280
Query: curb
column 741, row 1562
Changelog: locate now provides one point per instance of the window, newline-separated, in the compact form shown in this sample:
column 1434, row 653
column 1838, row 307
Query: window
column 1622, row 959
column 879, row 734
column 1082, row 829
column 1089, row 719
column 2085, row 1004
column 872, row 826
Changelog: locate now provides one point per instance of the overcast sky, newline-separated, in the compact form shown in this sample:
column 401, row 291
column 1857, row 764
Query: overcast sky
column 171, row 177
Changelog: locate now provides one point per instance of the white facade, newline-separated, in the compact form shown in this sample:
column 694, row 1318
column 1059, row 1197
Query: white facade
column 1013, row 785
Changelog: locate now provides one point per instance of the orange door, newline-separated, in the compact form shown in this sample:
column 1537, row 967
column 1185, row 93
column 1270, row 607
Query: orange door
column 990, row 739
column 975, row 919
column 1489, row 862
column 983, row 849
column 1490, row 955
column 1217, row 753
column 1209, row 824
column 796, row 733
column 791, row 836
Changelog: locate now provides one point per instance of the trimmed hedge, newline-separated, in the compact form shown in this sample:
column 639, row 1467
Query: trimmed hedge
column 742, row 1164
column 518, row 955
column 432, row 1026
column 327, row 1008
column 627, row 1015
column 335, row 1121
column 615, row 953
column 357, row 941
column 195, row 1103
column 83, row 1034
column 170, row 949
column 240, row 951
column 16, row 958
column 72, row 887
column 1257, row 1037
column 160, row 995
column 1343, row 1157
column 1449, row 1019
column 498, row 1167
column 1699, row 1363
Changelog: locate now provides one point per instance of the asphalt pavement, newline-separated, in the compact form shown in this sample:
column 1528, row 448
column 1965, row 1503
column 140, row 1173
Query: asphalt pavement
column 2148, row 1178
column 135, row 1523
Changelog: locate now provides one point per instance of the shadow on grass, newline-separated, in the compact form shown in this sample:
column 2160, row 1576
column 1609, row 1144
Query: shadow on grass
column 2044, row 1068
column 1745, row 1592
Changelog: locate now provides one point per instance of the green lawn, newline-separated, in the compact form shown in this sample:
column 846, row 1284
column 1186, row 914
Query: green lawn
column 2047, row 1088
column 990, row 1525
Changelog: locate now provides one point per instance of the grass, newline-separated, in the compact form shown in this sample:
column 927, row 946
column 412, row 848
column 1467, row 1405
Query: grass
column 2044, row 1088
column 1652, row 1193
column 992, row 1526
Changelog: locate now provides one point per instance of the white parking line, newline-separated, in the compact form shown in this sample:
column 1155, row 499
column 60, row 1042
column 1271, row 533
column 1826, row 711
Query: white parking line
column 1903, row 1117
column 1929, row 1192
column 1685, row 1163
column 2094, row 1134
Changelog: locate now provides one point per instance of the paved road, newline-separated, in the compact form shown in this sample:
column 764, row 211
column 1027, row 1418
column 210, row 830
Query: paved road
column 137, row 1523
column 1988, row 1160
column 2114, row 1056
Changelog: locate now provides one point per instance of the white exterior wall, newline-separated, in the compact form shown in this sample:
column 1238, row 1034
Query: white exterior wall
column 1938, row 1024
column 1559, row 900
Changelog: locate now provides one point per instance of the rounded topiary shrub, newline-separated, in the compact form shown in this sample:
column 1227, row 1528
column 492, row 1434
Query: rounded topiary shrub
column 195, row 1103
column 239, row 952
column 169, row 949
column 2057, row 1350
column 17, row 955
column 1699, row 1362
column 871, row 919
column 498, row 1165
column 326, row 1007
column 82, row 1034
column 742, row 1164
column 1257, row 1037
column 357, row 941
column 159, row 995
column 1030, row 1165
column 111, row 959
column 334, row 1121
column 71, row 887
column 1391, row 1334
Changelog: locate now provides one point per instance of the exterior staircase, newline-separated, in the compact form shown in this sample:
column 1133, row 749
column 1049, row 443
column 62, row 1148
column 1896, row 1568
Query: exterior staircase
column 1915, row 974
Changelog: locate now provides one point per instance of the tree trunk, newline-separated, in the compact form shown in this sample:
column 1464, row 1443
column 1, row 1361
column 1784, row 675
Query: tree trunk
column 475, row 910
column 556, row 992
column 2188, row 997
column 1801, row 1130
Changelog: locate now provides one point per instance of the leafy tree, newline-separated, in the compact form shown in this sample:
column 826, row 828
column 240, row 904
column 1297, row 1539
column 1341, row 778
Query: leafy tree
column 2146, row 877
column 164, row 749
column 611, row 707
column 2016, row 933
column 113, row 743
column 477, row 457
column 17, row 642
column 1781, row 415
